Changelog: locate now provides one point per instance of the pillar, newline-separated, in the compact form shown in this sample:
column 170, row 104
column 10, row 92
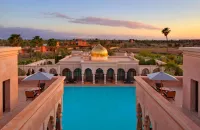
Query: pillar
column 104, row 78
column 115, row 78
column 125, row 75
column 72, row 75
column 93, row 78
column 82, row 78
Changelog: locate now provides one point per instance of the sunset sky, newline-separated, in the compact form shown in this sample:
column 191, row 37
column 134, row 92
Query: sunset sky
column 120, row 19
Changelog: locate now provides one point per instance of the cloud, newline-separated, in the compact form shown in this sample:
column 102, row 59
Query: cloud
column 104, row 21
column 29, row 33
column 57, row 15
column 114, row 23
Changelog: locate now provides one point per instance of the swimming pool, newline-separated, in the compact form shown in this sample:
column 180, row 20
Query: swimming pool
column 99, row 108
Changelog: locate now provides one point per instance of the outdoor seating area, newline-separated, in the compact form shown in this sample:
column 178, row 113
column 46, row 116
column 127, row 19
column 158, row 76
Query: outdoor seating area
column 32, row 93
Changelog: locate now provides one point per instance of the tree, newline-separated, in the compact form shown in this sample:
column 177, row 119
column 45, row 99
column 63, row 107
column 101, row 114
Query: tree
column 15, row 40
column 37, row 41
column 52, row 44
column 166, row 31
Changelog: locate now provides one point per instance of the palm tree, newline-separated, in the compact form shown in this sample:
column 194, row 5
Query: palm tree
column 15, row 40
column 166, row 31
column 52, row 44
column 37, row 41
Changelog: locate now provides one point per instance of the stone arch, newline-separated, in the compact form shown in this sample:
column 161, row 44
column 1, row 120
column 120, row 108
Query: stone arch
column 110, row 75
column 42, row 70
column 49, row 63
column 156, row 70
column 145, row 72
column 58, row 117
column 120, row 74
column 21, row 72
column 77, row 74
column 88, row 75
column 30, row 71
column 147, row 123
column 50, row 125
column 68, row 73
column 99, row 75
column 130, row 74
column 139, row 117
column 53, row 71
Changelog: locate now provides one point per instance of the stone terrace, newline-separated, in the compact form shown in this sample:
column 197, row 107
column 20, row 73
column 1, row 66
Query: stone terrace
column 22, row 103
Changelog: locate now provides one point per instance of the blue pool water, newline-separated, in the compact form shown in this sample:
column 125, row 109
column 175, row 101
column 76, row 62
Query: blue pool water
column 99, row 108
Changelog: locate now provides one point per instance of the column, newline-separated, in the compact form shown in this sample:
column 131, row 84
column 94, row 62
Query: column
column 72, row 75
column 93, row 78
column 125, row 75
column 82, row 78
column 104, row 78
column 115, row 78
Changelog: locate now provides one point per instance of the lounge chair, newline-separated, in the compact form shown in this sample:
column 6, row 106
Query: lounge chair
column 170, row 94
column 30, row 95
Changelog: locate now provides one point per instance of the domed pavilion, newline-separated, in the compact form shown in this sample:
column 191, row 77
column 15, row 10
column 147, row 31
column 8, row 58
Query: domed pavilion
column 99, row 53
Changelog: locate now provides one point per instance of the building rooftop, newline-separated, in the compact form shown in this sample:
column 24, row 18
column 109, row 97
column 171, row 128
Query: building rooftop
column 22, row 102
column 110, row 59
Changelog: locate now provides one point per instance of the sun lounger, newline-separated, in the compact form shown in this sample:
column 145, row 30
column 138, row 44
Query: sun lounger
column 170, row 94
column 30, row 95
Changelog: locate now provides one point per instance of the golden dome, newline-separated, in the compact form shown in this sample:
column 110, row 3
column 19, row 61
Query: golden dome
column 99, row 51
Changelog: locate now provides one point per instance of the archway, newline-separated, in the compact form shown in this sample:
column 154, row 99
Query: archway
column 49, row 63
column 110, row 75
column 120, row 74
column 67, row 72
column 139, row 117
column 50, row 124
column 156, row 70
column 21, row 72
column 88, row 75
column 30, row 71
column 33, row 71
column 99, row 75
column 130, row 74
column 58, row 117
column 42, row 70
column 53, row 71
column 77, row 74
column 145, row 72
column 147, row 123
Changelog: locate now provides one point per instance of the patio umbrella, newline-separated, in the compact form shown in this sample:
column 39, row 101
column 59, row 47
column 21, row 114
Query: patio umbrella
column 161, row 76
column 39, row 76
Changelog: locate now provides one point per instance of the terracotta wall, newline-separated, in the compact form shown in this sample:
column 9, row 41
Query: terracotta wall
column 163, row 114
column 9, row 71
column 191, row 67
column 37, row 112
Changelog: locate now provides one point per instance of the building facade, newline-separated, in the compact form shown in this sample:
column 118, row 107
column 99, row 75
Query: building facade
column 95, row 65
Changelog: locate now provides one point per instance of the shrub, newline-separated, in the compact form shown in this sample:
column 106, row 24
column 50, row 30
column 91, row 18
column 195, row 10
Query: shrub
column 142, row 62
column 151, row 62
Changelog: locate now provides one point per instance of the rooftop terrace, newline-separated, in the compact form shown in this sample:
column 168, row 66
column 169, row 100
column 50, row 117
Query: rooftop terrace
column 14, row 115
column 172, row 107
